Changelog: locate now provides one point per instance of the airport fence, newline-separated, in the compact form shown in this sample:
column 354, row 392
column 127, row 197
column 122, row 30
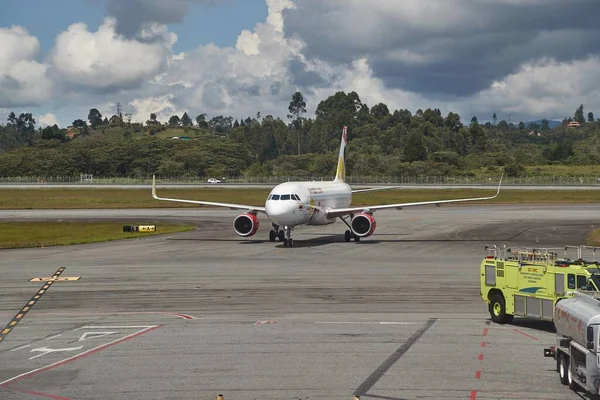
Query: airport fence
column 492, row 180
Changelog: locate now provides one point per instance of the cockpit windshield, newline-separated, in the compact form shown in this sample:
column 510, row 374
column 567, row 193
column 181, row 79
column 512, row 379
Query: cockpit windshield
column 284, row 197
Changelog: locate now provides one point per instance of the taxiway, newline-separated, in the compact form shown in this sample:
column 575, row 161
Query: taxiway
column 192, row 315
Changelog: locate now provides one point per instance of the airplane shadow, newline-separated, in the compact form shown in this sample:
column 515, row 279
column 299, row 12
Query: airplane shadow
column 330, row 239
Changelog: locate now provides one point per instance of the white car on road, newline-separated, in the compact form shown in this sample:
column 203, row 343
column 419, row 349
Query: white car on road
column 213, row 180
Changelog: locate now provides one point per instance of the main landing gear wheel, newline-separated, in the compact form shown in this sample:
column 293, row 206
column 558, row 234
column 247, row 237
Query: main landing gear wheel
column 281, row 236
column 348, row 235
column 272, row 235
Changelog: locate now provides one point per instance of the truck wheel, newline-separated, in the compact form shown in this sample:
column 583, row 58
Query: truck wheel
column 572, row 384
column 498, row 310
column 563, row 368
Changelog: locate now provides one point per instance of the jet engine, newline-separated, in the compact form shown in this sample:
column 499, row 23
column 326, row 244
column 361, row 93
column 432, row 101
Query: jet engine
column 246, row 224
column 363, row 225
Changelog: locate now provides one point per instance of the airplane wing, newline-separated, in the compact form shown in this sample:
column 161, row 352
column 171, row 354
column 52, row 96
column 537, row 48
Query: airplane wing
column 338, row 212
column 206, row 203
column 376, row 188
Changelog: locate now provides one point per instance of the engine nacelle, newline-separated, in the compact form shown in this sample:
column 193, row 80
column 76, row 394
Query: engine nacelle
column 363, row 225
column 246, row 224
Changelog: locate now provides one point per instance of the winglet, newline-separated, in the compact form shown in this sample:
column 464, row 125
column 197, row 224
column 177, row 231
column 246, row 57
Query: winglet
column 154, row 187
column 499, row 184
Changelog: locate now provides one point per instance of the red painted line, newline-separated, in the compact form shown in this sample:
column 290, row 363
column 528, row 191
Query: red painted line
column 51, row 396
column 480, row 356
column 485, row 332
column 75, row 357
column 483, row 344
column 473, row 395
column 184, row 316
column 478, row 374
column 526, row 334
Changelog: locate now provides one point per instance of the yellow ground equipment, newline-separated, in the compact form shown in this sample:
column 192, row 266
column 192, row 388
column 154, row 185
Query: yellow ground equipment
column 529, row 282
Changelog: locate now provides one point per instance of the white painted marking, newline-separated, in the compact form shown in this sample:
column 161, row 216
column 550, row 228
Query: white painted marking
column 48, row 350
column 55, row 336
column 94, row 335
column 115, row 327
column 367, row 323
column 21, row 348
column 33, row 371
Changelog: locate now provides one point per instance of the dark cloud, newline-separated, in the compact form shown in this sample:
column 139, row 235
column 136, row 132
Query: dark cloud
column 454, row 47
column 131, row 15
column 302, row 77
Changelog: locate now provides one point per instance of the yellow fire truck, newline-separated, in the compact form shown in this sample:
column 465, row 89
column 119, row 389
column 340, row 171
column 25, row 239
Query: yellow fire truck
column 529, row 282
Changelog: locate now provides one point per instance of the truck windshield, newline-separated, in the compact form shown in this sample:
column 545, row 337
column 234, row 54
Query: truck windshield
column 595, row 279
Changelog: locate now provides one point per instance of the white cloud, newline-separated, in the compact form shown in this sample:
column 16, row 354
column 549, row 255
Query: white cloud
column 104, row 59
column 47, row 119
column 161, row 106
column 23, row 80
column 546, row 88
column 402, row 53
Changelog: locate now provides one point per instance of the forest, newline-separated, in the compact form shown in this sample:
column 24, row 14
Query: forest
column 380, row 142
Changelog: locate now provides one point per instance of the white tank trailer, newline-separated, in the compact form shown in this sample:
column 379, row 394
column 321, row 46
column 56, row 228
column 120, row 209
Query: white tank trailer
column 577, row 352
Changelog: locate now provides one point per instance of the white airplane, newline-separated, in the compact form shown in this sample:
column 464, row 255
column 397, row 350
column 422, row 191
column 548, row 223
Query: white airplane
column 294, row 204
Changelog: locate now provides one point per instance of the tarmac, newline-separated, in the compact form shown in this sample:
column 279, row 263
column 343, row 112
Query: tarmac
column 193, row 315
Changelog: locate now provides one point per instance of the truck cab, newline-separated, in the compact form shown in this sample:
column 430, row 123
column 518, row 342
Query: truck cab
column 577, row 350
column 529, row 282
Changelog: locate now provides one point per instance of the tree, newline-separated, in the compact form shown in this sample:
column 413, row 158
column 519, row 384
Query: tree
column 186, row 120
column 95, row 118
column 521, row 125
column 174, row 120
column 201, row 121
column 296, row 108
column 115, row 120
column 415, row 150
column 474, row 120
column 12, row 118
column 545, row 126
column 152, row 120
column 579, row 115
column 79, row 123
column 590, row 117
column 380, row 110
column 236, row 124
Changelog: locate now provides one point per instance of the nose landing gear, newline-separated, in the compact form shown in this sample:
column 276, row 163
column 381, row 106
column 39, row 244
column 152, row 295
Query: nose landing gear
column 288, row 241
column 276, row 233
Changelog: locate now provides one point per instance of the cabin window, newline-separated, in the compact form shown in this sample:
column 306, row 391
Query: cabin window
column 285, row 197
column 571, row 281
column 581, row 282
column 295, row 197
column 275, row 197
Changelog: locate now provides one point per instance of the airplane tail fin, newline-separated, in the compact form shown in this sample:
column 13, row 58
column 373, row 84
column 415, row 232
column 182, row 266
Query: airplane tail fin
column 340, row 174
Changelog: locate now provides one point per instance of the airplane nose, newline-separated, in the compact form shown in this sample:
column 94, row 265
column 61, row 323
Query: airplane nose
column 281, row 212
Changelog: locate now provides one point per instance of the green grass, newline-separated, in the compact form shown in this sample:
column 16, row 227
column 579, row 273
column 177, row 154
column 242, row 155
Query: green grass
column 20, row 234
column 60, row 198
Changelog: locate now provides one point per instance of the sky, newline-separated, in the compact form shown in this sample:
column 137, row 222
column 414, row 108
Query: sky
column 521, row 59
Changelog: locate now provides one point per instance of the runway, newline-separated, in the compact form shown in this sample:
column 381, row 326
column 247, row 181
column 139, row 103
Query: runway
column 193, row 315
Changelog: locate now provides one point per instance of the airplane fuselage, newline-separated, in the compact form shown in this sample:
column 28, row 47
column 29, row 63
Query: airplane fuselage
column 306, row 203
